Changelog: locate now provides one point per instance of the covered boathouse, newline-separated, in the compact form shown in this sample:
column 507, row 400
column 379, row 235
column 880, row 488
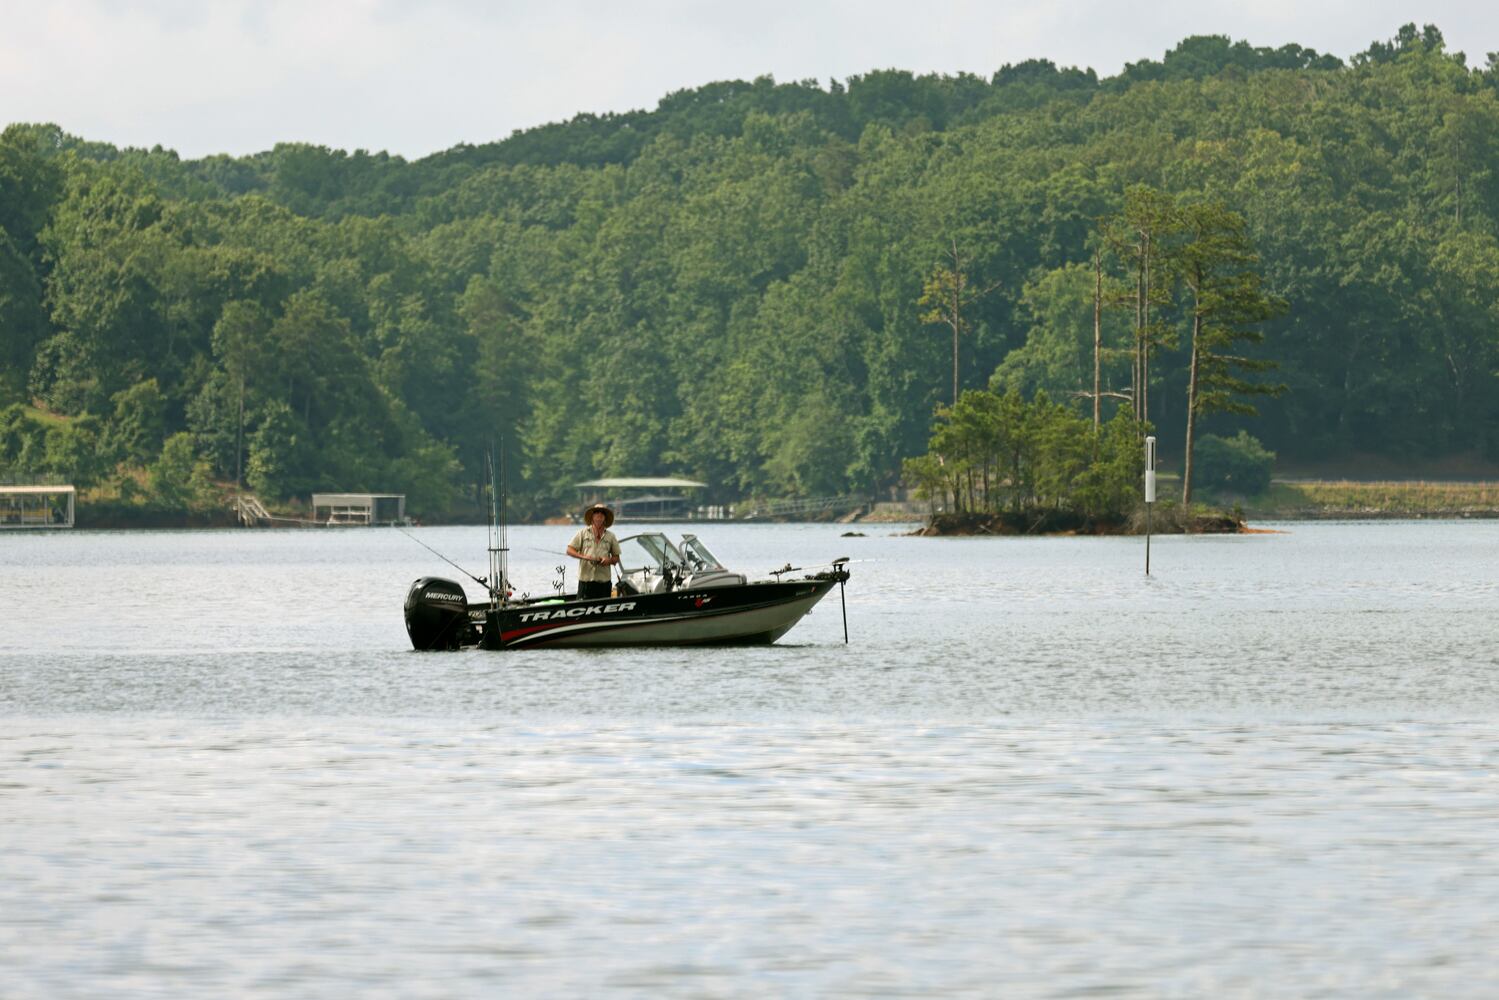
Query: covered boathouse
column 359, row 508
column 644, row 498
column 37, row 506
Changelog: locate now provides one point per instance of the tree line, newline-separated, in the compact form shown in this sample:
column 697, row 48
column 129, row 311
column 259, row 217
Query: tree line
column 772, row 286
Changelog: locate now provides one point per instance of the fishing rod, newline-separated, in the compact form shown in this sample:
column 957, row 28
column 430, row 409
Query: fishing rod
column 493, row 531
column 498, row 583
column 504, row 524
column 499, row 550
column 477, row 579
column 835, row 564
column 550, row 552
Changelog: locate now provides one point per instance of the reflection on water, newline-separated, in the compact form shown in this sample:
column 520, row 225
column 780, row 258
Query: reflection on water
column 1268, row 770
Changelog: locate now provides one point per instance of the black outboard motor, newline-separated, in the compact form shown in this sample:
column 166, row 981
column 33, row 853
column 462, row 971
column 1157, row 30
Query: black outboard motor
column 436, row 614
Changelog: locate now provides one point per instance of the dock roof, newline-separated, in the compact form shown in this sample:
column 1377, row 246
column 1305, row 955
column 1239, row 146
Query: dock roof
column 642, row 483
column 34, row 490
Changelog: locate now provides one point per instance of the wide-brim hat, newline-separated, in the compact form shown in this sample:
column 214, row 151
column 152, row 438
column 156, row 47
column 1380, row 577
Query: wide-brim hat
column 608, row 514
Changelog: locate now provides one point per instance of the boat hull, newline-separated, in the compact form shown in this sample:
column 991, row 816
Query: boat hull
column 751, row 613
column 738, row 614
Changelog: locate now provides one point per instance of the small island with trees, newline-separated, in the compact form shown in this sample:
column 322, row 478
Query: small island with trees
column 998, row 463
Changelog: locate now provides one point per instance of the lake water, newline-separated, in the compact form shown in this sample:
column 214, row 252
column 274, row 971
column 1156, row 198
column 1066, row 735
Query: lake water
column 1270, row 769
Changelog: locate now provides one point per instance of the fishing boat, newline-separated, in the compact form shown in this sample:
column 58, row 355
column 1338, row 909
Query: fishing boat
column 665, row 594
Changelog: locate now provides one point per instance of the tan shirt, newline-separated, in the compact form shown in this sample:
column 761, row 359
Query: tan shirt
column 605, row 546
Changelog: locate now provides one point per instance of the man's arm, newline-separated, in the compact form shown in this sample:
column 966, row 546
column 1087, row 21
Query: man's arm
column 572, row 547
column 601, row 560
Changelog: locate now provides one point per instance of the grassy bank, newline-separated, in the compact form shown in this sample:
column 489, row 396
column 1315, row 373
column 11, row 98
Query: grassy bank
column 1395, row 498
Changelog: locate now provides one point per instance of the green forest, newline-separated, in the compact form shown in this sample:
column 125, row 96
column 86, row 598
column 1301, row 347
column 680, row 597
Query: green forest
column 770, row 287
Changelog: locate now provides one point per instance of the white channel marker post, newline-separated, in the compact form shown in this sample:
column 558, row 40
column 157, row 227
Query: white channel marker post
column 1149, row 494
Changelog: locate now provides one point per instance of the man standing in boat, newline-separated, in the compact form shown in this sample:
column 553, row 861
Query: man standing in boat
column 596, row 549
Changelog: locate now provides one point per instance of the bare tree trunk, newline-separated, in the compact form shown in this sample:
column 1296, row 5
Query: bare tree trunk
column 239, row 441
column 959, row 281
column 955, row 363
column 1097, row 344
column 1145, row 343
column 1139, row 306
column 1191, row 414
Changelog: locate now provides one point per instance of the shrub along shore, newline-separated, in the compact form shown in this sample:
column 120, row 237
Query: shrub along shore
column 1169, row 520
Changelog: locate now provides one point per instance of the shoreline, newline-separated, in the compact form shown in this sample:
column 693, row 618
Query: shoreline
column 1237, row 519
column 1249, row 527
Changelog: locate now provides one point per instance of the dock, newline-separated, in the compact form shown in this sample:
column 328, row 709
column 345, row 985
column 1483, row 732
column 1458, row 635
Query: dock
column 37, row 505
column 329, row 510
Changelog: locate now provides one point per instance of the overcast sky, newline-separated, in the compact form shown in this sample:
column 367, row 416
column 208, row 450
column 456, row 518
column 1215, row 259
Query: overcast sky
column 238, row 76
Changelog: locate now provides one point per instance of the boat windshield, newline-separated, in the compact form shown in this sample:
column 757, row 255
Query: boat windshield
column 698, row 556
column 652, row 551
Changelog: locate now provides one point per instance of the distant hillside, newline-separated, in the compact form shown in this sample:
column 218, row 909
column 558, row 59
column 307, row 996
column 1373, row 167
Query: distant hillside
column 730, row 285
